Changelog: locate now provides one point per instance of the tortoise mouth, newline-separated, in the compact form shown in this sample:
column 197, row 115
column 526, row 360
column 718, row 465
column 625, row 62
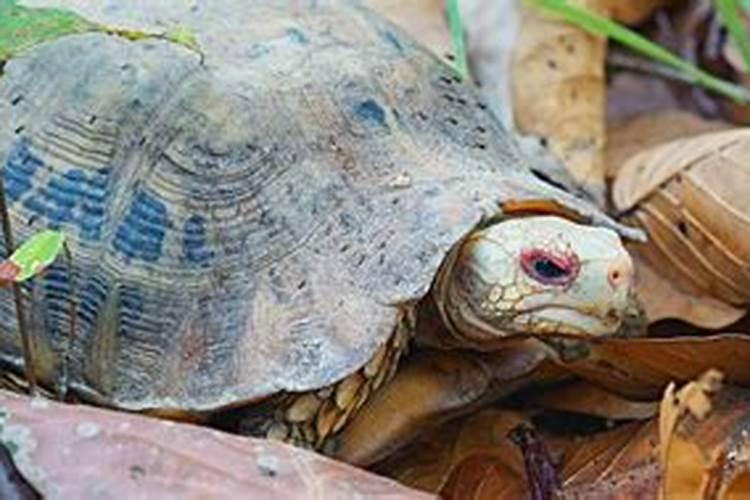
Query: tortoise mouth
column 569, row 321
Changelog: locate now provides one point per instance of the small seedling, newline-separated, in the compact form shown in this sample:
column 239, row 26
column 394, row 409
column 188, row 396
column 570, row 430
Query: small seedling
column 32, row 258
column 598, row 25
column 457, row 37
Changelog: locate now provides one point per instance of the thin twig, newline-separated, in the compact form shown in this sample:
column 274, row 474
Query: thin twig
column 63, row 389
column 26, row 345
column 618, row 59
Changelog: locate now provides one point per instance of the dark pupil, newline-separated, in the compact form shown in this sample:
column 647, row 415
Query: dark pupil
column 548, row 269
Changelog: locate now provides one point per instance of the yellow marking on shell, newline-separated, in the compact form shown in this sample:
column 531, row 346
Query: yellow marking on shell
column 304, row 408
column 347, row 390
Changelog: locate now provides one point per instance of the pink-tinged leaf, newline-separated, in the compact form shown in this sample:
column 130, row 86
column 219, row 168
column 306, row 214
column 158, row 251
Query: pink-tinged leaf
column 9, row 271
column 77, row 451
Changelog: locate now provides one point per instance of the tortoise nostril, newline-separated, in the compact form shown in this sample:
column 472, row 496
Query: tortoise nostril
column 620, row 272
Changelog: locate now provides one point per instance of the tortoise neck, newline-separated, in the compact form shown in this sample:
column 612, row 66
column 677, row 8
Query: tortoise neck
column 462, row 326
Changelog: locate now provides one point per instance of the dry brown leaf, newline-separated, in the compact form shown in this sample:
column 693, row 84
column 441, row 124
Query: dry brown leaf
column 584, row 397
column 558, row 92
column 619, row 464
column 625, row 138
column 661, row 299
column 474, row 448
column 704, row 440
column 690, row 195
column 697, row 448
column 634, row 11
column 484, row 477
column 422, row 19
column 694, row 397
column 71, row 451
column 642, row 368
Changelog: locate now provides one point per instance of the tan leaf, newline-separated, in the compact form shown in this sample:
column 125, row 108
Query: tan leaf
column 705, row 450
column 690, row 195
column 558, row 92
column 619, row 464
column 422, row 19
column 633, row 11
column 586, row 398
column 626, row 138
column 642, row 368
column 661, row 299
column 472, row 450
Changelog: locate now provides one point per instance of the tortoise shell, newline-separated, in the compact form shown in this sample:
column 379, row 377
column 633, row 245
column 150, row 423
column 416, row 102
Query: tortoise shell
column 249, row 219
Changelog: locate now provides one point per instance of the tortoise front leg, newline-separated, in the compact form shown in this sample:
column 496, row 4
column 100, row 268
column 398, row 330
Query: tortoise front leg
column 430, row 388
column 315, row 419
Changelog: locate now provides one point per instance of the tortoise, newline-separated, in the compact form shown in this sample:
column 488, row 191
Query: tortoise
column 257, row 224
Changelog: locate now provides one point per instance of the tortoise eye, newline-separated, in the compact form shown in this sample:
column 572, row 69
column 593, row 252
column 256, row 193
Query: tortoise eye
column 550, row 268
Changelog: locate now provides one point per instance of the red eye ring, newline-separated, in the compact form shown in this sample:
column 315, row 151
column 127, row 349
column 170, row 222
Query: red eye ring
column 550, row 268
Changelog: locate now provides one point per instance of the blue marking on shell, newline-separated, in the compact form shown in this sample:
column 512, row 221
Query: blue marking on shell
column 297, row 36
column 392, row 38
column 76, row 197
column 20, row 167
column 194, row 241
column 141, row 233
column 93, row 294
column 131, row 306
column 370, row 110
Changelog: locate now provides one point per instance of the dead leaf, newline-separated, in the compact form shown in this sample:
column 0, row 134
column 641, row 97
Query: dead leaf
column 661, row 299
column 484, row 476
column 619, row 464
column 422, row 19
column 633, row 11
column 690, row 195
column 472, row 450
column 586, row 398
column 704, row 433
column 559, row 92
column 72, row 451
column 626, row 138
column 642, row 368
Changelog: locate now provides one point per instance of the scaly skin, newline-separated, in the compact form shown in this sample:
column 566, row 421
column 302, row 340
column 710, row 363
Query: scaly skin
column 491, row 287
column 494, row 285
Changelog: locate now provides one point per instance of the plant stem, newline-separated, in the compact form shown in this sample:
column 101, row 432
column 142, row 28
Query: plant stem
column 26, row 345
column 730, row 18
column 598, row 25
column 457, row 36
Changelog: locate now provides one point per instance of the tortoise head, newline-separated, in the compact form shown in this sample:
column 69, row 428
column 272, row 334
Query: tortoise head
column 536, row 275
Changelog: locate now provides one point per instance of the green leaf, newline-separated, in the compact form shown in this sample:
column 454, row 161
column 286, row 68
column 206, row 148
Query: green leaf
column 730, row 18
column 37, row 253
column 457, row 36
column 21, row 28
column 598, row 25
column 183, row 36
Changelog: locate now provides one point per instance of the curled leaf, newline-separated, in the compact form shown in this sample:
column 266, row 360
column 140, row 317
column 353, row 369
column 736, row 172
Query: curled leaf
column 690, row 195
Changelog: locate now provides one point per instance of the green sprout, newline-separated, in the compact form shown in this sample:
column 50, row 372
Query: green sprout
column 22, row 28
column 601, row 26
column 33, row 257
column 730, row 18
column 457, row 37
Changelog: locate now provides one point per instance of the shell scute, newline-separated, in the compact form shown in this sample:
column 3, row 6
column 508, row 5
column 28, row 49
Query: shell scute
column 246, row 223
